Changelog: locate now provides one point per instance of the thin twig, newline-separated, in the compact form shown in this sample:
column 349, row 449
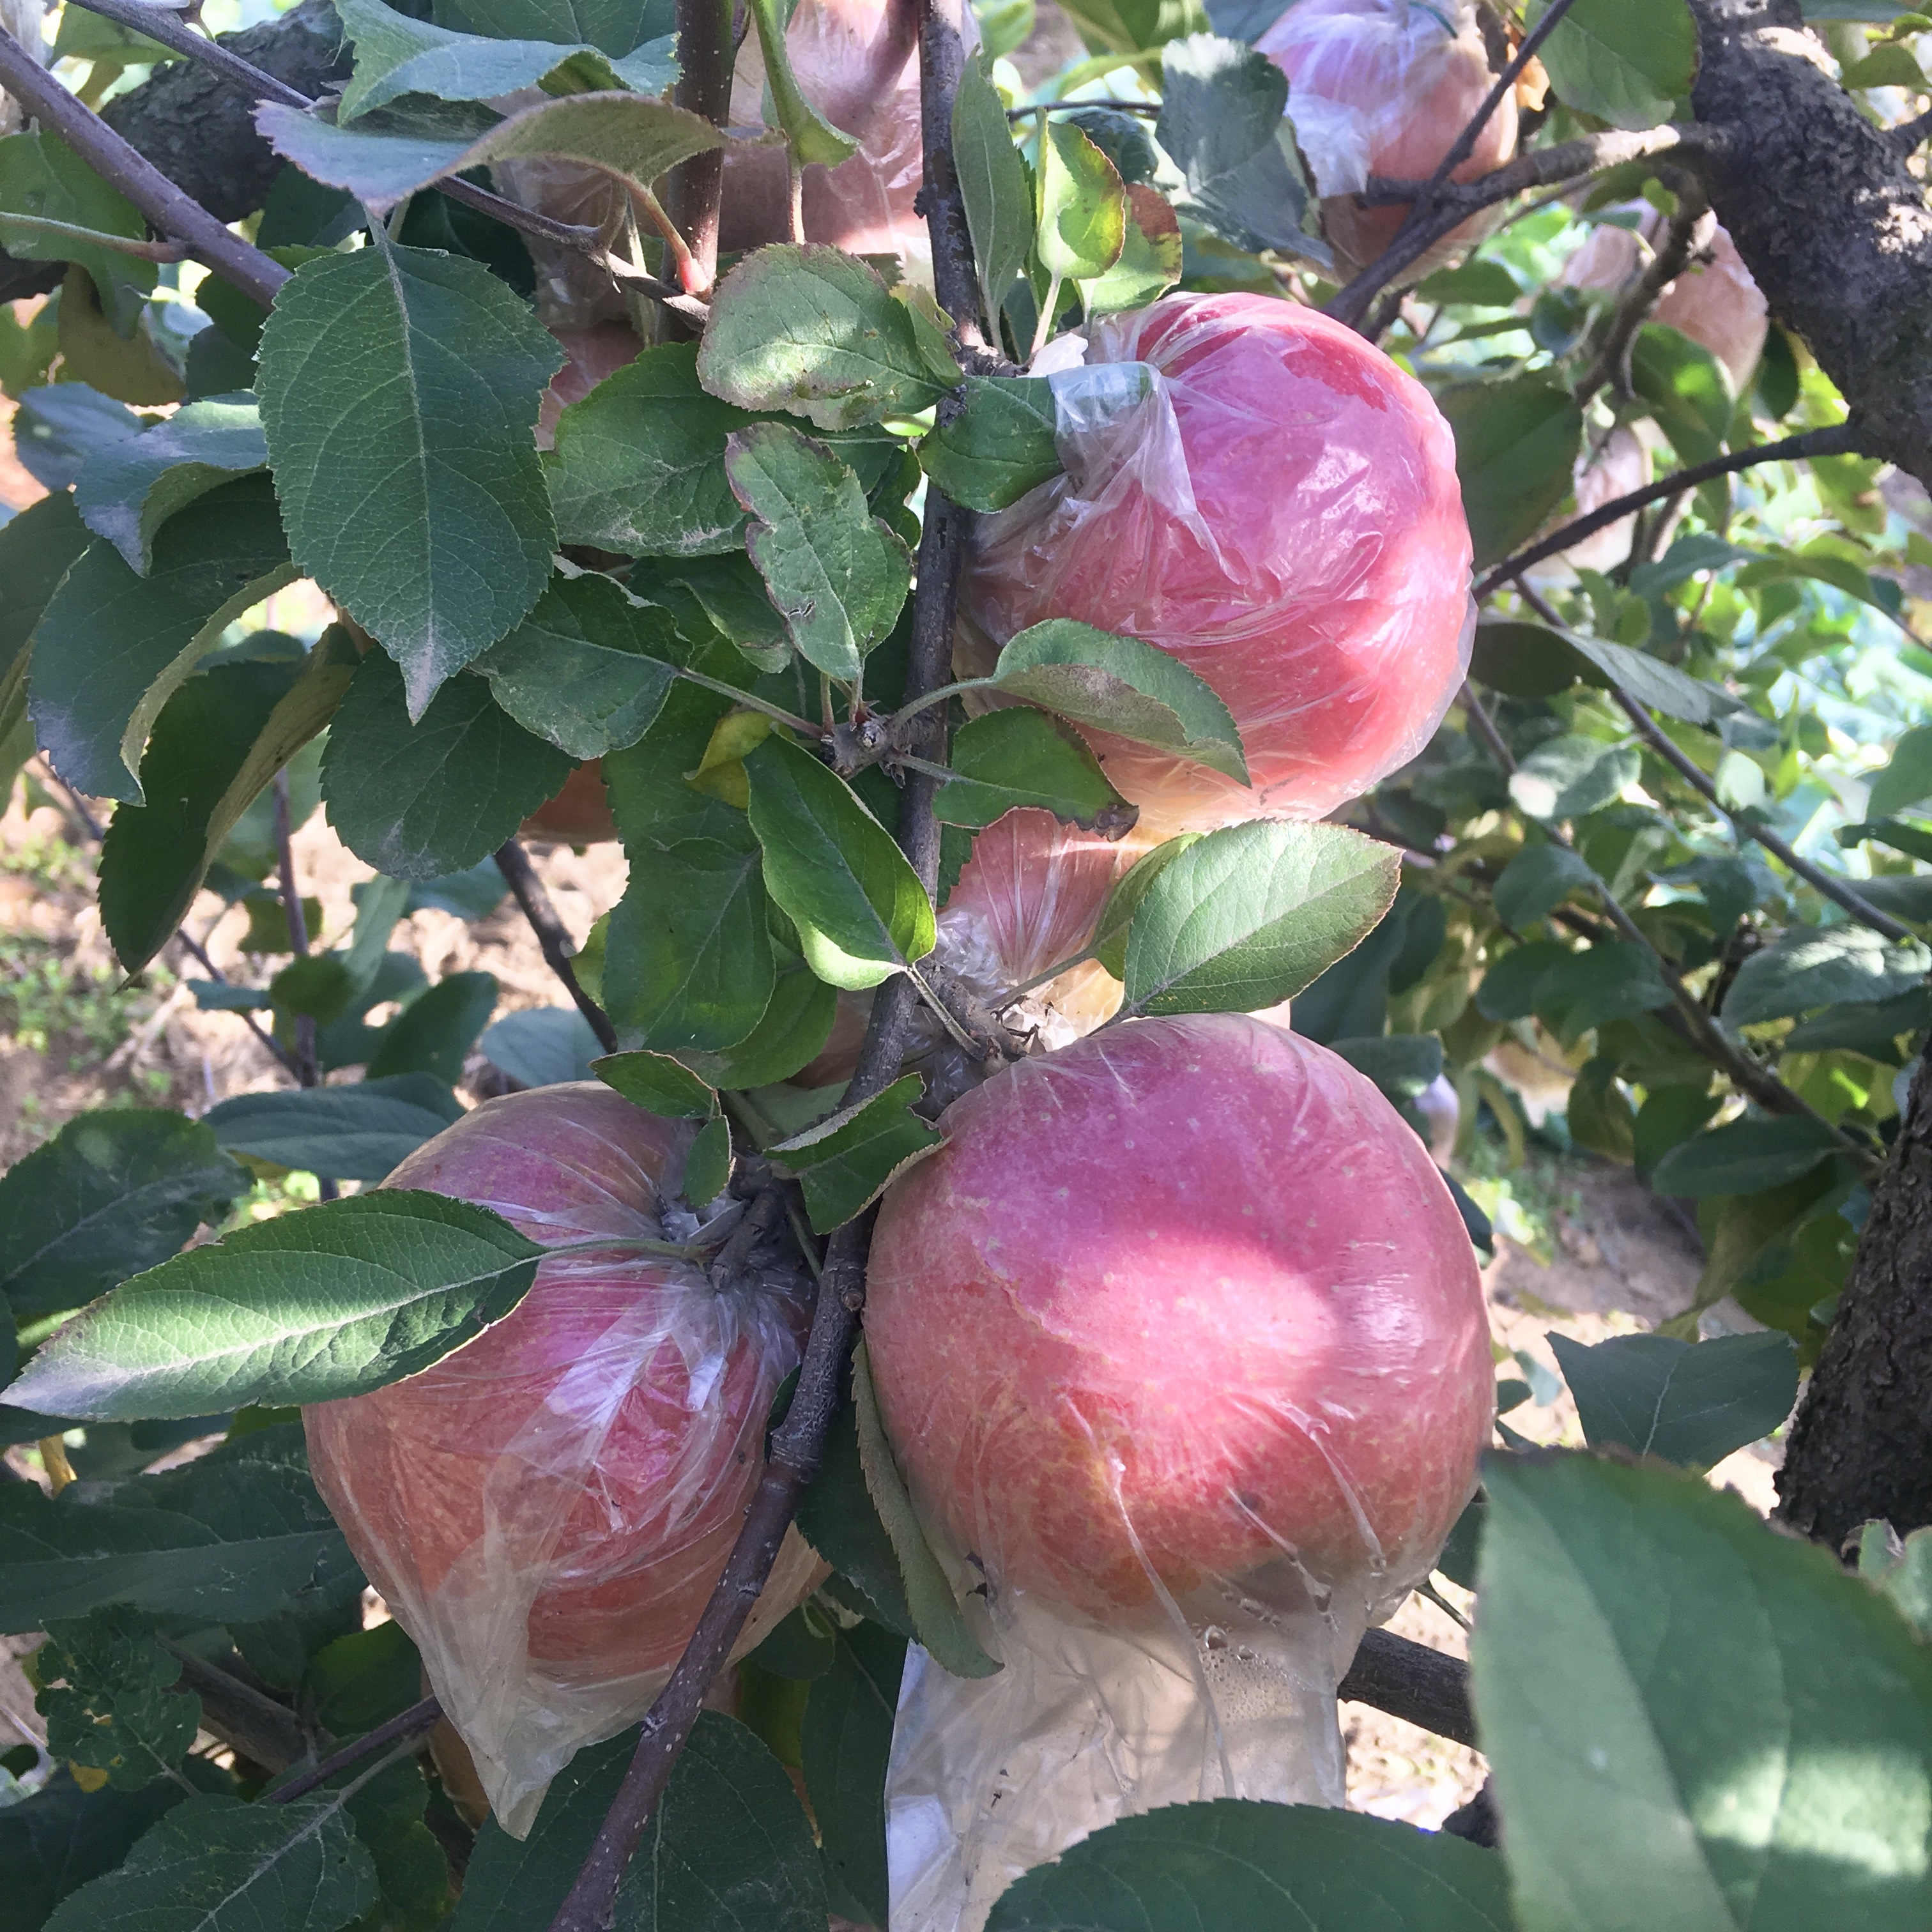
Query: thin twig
column 264, row 1732
column 1836, row 439
column 419, row 1718
column 1836, row 890
column 1464, row 143
column 758, row 1223
column 1910, row 135
column 170, row 211
column 1690, row 230
column 799, row 1442
column 1455, row 202
column 520, row 875
column 167, row 26
column 95, row 238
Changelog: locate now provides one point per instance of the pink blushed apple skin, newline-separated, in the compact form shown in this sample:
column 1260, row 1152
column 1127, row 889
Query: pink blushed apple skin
column 1283, row 516
column 1412, row 86
column 1178, row 1301
column 593, row 1452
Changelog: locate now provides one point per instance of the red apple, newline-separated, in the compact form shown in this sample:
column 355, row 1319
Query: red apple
column 1282, row 514
column 856, row 62
column 1384, row 87
column 1178, row 1302
column 579, row 814
column 547, row 1510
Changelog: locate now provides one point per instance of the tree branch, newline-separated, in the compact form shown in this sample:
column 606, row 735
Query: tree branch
column 173, row 212
column 1464, row 143
column 1690, row 230
column 1836, row 439
column 1413, row 1682
column 799, row 1440
column 694, row 195
column 1838, row 891
column 292, row 909
column 417, row 1721
column 1831, row 222
column 261, row 1730
column 520, row 876
column 162, row 24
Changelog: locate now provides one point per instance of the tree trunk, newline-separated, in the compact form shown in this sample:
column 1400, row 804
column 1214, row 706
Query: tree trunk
column 1861, row 1445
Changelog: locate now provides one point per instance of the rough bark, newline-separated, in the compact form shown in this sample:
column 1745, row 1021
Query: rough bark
column 1826, row 215
column 1861, row 1444
column 198, row 129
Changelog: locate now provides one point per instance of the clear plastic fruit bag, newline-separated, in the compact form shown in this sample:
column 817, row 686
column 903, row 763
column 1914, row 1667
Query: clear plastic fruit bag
column 1252, row 488
column 1180, row 1344
column 546, row 1510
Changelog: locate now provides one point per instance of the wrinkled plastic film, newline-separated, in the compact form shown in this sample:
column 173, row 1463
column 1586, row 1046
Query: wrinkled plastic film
column 1274, row 503
column 546, row 1510
column 1180, row 1342
column 572, row 291
column 1385, row 87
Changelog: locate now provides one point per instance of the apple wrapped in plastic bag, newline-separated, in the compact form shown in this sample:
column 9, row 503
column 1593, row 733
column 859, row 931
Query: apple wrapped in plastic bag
column 1385, row 87
column 547, row 1510
column 1268, row 498
column 1180, row 1346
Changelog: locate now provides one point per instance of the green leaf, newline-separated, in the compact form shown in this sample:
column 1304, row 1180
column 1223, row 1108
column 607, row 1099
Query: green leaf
column 998, row 446
column 659, row 1085
column 1538, row 880
column 1753, row 1239
column 1907, row 778
column 835, row 870
column 315, row 986
column 1906, row 1579
column 57, row 429
column 707, row 1168
column 846, row 1161
column 1234, row 1861
column 1221, row 122
column 1080, row 206
column 809, row 136
column 729, row 1848
column 1626, row 61
column 792, row 1034
column 236, row 1536
column 1571, row 775
column 112, row 647
column 114, row 1191
column 1003, row 760
column 40, row 176
column 106, row 1692
column 215, row 1865
column 390, row 154
column 127, row 492
column 586, row 669
column 802, row 327
column 399, row 394
column 639, row 463
column 340, row 1133
column 1246, row 916
column 1110, row 936
column 937, row 1621
column 1890, row 65
column 419, row 800
column 1650, row 681
column 993, row 185
column 1688, row 1403
column 1746, row 1157
column 612, row 26
column 838, row 1517
column 36, row 548
column 412, row 1870
column 847, row 1737
column 1573, row 991
column 1806, row 968
column 1872, row 1027
column 1656, row 1668
column 1127, row 26
column 1686, row 388
column 1516, row 445
column 836, row 574
column 1150, row 261
column 333, row 1301
column 61, row 1836
column 216, row 742
column 396, row 56
column 545, row 1046
column 1122, row 685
